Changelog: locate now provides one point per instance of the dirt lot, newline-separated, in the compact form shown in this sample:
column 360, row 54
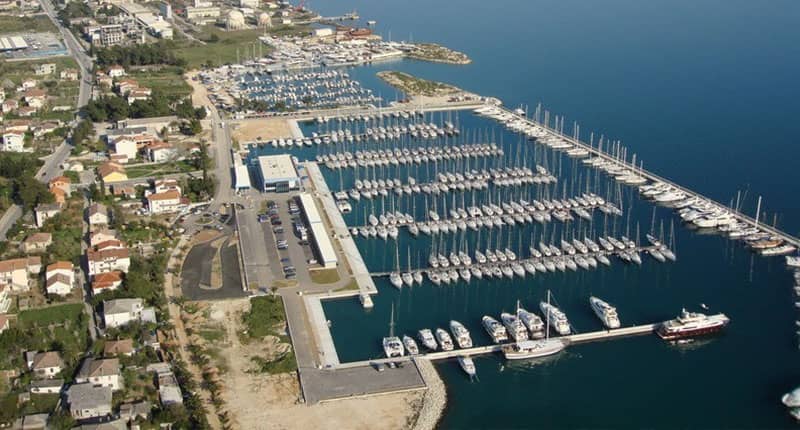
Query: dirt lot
column 261, row 401
column 249, row 130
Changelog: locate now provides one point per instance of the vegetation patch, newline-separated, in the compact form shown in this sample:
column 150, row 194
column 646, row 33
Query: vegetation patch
column 265, row 317
column 438, row 53
column 324, row 276
column 415, row 86
column 26, row 24
column 284, row 363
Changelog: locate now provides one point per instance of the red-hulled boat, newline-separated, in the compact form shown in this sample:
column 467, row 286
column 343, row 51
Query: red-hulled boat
column 689, row 324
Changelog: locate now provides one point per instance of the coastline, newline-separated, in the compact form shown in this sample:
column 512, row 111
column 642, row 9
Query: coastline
column 435, row 398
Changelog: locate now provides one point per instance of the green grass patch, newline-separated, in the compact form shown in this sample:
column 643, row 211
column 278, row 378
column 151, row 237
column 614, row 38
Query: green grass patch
column 212, row 335
column 51, row 315
column 266, row 314
column 413, row 85
column 285, row 363
column 223, row 47
column 167, row 81
column 159, row 169
column 26, row 24
column 352, row 285
column 324, row 276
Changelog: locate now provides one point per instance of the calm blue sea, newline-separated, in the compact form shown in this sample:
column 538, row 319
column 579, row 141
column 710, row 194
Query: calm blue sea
column 706, row 93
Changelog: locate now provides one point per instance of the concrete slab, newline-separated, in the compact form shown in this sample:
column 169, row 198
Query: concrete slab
column 321, row 385
column 316, row 315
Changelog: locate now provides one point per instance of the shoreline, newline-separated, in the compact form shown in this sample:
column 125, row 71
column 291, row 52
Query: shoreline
column 435, row 399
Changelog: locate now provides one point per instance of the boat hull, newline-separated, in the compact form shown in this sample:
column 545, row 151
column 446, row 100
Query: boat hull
column 701, row 331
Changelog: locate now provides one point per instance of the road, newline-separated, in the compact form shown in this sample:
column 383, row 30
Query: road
column 53, row 163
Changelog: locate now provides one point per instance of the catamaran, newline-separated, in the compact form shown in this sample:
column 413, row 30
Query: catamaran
column 606, row 313
column 392, row 345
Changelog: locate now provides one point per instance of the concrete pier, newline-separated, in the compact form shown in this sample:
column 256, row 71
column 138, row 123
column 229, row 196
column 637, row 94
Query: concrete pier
column 325, row 346
column 352, row 255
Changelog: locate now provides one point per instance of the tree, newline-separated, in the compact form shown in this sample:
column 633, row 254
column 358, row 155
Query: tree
column 31, row 192
column 191, row 128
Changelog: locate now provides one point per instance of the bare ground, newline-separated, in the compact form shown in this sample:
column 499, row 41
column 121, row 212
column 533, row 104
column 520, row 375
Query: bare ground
column 249, row 130
column 261, row 401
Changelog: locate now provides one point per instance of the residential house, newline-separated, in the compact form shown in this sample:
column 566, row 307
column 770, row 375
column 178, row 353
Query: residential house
column 156, row 123
column 111, row 172
column 19, row 125
column 108, row 260
column 162, row 185
column 69, row 75
column 118, row 347
column 103, row 80
column 46, row 386
column 28, row 84
column 44, row 211
column 166, row 202
column 100, row 372
column 44, row 69
column 27, row 111
column 116, row 71
column 110, row 244
column 35, row 98
column 46, row 364
column 60, row 277
column 125, row 191
column 13, row 141
column 159, row 152
column 10, row 105
column 168, row 390
column 97, row 215
column 108, row 281
column 134, row 411
column 138, row 93
column 87, row 401
column 125, row 146
column 14, row 273
column 36, row 242
column 124, row 86
column 63, row 183
column 101, row 235
column 120, row 312
column 45, row 128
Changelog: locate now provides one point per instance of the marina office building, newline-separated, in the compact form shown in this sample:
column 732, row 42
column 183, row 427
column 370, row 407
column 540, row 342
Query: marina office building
column 320, row 243
column 277, row 173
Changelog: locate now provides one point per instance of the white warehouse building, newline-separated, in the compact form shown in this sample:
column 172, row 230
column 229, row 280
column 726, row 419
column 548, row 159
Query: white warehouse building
column 323, row 249
column 277, row 173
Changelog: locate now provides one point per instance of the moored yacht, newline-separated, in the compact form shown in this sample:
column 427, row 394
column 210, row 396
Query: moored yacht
column 445, row 341
column 392, row 346
column 689, row 324
column 555, row 318
column 533, row 322
column 428, row 341
column 514, row 326
column 461, row 334
column 495, row 330
column 410, row 345
column 604, row 311
column 467, row 365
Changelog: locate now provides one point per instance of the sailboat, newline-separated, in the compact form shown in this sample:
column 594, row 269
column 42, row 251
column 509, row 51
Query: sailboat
column 535, row 348
column 392, row 346
column 395, row 278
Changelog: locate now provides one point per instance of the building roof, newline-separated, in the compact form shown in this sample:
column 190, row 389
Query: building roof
column 95, row 367
column 108, row 168
column 97, row 208
column 35, row 93
column 39, row 237
column 13, row 264
column 108, row 254
column 156, row 145
column 47, row 359
column 60, row 265
column 166, row 195
column 110, row 243
column 119, row 306
column 87, row 396
column 60, row 179
column 114, row 347
column 59, row 277
column 276, row 167
column 47, row 207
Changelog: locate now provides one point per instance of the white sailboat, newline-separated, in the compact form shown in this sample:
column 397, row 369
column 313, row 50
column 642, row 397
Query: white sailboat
column 535, row 348
column 392, row 346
